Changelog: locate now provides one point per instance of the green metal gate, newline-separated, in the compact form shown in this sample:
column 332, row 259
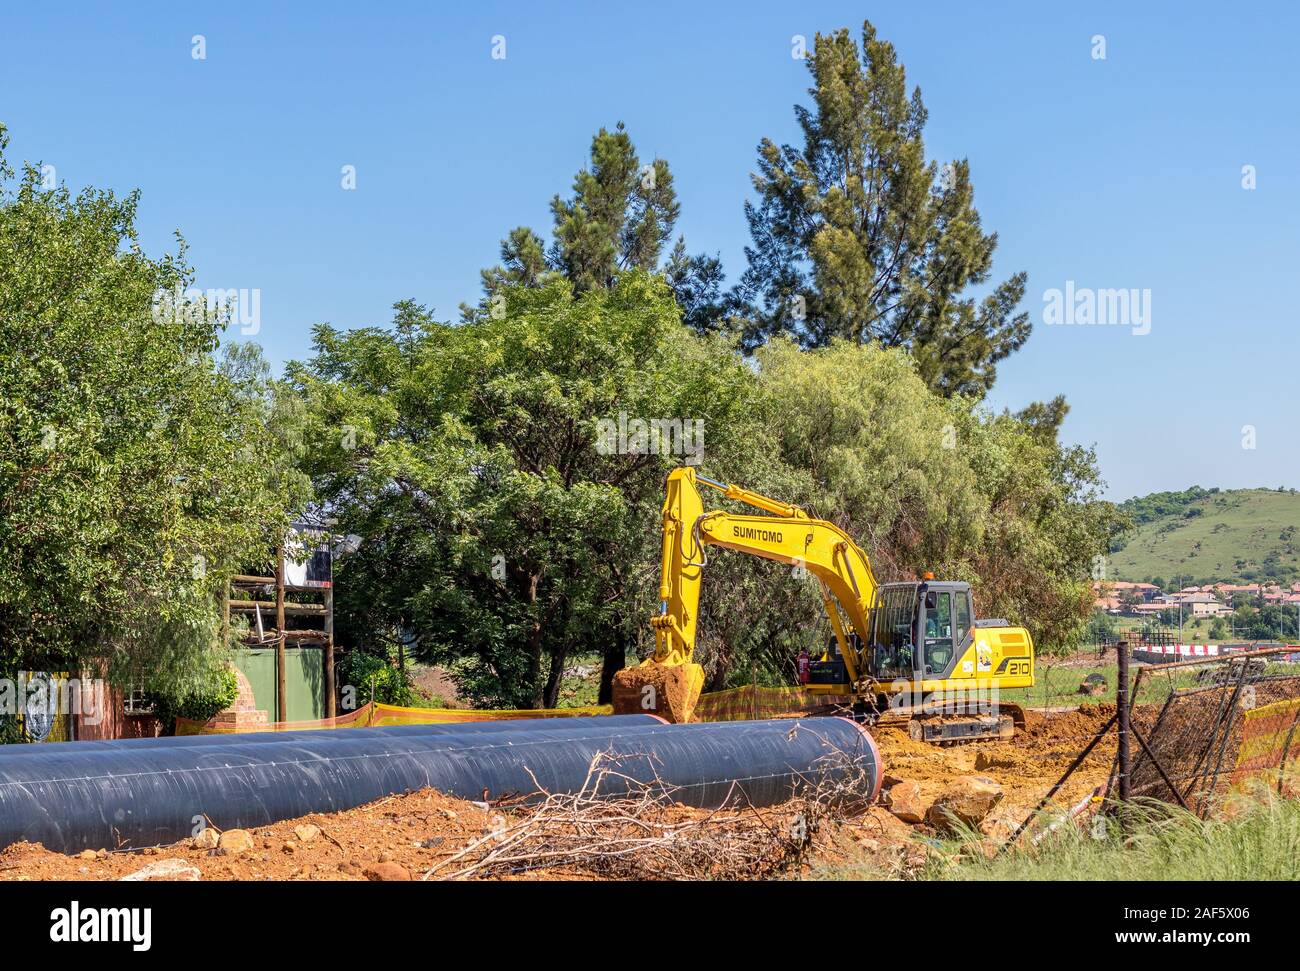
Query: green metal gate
column 303, row 681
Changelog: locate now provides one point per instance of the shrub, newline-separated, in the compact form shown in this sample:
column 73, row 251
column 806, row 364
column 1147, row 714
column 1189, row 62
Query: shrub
column 375, row 678
column 197, row 703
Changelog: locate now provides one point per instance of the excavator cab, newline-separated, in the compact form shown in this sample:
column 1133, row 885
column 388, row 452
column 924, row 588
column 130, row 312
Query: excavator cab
column 919, row 630
column 948, row 627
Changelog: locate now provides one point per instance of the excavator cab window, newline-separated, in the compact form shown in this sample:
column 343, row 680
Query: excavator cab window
column 894, row 654
column 938, row 632
column 962, row 619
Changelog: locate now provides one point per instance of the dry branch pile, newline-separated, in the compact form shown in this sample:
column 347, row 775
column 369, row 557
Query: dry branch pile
column 644, row 835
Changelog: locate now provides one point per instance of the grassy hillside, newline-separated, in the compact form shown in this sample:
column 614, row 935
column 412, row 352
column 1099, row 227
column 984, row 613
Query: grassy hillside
column 1196, row 536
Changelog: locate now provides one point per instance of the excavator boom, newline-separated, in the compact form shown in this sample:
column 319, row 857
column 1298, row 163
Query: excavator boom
column 785, row 534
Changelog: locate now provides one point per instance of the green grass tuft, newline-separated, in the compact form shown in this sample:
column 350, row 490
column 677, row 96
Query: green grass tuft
column 1260, row 842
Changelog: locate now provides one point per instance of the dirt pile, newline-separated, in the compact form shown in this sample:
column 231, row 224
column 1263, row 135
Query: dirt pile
column 408, row 831
column 1066, row 726
column 667, row 690
column 1024, row 767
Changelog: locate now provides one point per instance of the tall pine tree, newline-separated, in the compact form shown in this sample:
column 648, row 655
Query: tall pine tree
column 620, row 217
column 857, row 236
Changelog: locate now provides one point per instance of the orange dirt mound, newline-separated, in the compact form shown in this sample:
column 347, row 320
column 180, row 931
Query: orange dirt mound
column 412, row 831
column 1067, row 725
column 668, row 691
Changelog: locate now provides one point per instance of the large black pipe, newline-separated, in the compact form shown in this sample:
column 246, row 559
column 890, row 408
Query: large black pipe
column 71, row 798
column 292, row 735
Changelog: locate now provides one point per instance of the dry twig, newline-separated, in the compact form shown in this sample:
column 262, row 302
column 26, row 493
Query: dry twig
column 641, row 834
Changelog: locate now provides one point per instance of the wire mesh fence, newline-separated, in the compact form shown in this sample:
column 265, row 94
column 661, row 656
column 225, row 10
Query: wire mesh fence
column 1194, row 731
column 1200, row 727
column 1186, row 745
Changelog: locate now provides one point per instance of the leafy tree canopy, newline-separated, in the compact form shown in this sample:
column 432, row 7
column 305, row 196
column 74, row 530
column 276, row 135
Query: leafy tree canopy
column 620, row 218
column 136, row 471
column 503, row 535
column 503, row 532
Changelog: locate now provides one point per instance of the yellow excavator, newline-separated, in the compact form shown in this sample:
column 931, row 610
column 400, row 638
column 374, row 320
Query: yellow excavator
column 908, row 653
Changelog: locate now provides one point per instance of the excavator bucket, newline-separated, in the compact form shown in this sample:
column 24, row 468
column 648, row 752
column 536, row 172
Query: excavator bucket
column 667, row 690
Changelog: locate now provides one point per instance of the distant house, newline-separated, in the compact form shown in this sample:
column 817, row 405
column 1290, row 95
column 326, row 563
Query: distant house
column 1205, row 605
column 1112, row 595
column 1151, row 609
column 1237, row 593
column 1191, row 605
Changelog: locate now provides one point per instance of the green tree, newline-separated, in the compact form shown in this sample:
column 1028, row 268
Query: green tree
column 1044, row 418
column 136, row 474
column 619, row 218
column 1102, row 628
column 857, row 236
column 504, row 529
column 1266, row 622
column 926, row 483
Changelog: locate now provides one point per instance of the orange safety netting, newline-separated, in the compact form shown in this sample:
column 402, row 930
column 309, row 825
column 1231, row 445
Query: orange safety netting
column 378, row 714
column 733, row 704
column 392, row 715
column 749, row 702
column 1269, row 735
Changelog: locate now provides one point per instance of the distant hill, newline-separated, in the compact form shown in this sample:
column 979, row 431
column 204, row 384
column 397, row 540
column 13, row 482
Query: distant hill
column 1208, row 534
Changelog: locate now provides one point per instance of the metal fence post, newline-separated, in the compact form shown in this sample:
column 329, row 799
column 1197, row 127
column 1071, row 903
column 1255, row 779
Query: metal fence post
column 1122, row 705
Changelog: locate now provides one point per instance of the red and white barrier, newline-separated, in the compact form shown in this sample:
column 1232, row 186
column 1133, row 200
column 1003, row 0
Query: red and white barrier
column 1182, row 651
column 1168, row 653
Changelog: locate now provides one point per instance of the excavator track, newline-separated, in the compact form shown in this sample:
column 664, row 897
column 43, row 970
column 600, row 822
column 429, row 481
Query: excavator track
column 955, row 729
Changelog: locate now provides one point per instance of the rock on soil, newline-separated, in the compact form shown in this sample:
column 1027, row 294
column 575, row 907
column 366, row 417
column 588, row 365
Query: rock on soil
column 235, row 841
column 171, row 868
column 907, row 802
column 207, row 839
column 967, row 799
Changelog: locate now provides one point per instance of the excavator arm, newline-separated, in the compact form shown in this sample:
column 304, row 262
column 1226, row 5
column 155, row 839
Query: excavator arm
column 670, row 682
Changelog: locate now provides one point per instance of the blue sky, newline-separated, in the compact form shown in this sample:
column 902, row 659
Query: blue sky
column 1117, row 173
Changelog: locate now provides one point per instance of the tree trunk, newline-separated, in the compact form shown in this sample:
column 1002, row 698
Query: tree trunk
column 613, row 661
column 718, row 679
column 535, row 687
column 555, row 679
